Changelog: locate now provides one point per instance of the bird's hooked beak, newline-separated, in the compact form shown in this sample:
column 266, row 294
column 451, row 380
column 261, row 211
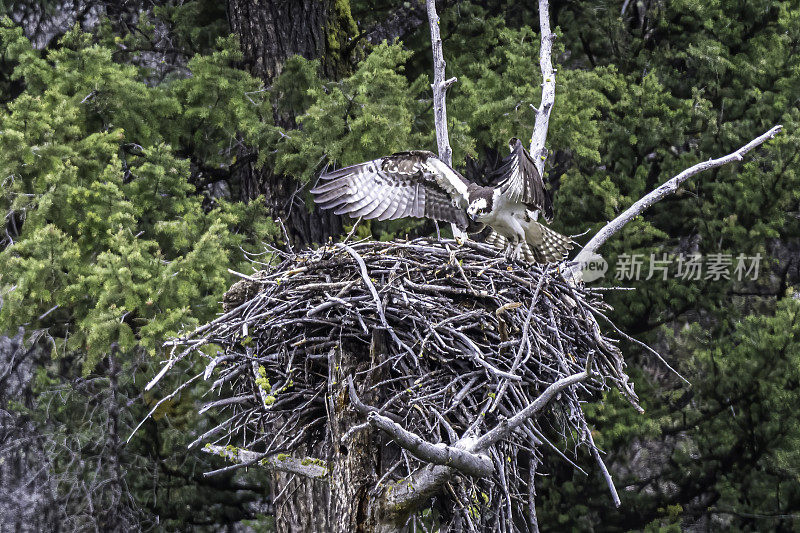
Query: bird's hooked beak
column 473, row 216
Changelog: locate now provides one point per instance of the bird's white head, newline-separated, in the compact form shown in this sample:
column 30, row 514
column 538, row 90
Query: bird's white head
column 478, row 208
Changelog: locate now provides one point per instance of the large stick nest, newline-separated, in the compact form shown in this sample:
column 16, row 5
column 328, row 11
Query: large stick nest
column 467, row 338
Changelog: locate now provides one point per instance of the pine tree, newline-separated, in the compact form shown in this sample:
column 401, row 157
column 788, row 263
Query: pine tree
column 109, row 250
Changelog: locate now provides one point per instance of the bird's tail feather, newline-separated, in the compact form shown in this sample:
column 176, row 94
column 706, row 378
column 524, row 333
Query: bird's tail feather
column 553, row 248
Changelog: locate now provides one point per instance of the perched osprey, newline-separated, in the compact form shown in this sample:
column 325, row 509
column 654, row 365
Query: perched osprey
column 419, row 184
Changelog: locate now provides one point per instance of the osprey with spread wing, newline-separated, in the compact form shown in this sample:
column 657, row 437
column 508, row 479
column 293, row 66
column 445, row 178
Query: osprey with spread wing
column 419, row 184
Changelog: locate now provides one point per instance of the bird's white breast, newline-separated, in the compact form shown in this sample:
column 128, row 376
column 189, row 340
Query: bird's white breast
column 507, row 218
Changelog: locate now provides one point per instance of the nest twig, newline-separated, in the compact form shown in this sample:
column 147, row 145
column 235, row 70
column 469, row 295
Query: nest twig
column 471, row 339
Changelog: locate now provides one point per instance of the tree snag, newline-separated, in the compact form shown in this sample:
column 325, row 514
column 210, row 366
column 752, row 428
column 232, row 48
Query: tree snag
column 439, row 87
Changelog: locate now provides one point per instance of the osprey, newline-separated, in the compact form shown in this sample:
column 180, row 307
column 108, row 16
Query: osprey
column 419, row 184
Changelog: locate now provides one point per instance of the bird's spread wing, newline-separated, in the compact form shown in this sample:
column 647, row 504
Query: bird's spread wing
column 520, row 181
column 405, row 184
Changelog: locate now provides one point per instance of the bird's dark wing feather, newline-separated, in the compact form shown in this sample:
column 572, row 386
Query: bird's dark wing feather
column 405, row 184
column 521, row 181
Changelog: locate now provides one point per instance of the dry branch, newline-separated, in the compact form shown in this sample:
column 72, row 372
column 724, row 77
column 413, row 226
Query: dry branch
column 665, row 189
column 505, row 427
column 308, row 467
column 439, row 453
column 603, row 467
column 541, row 125
column 439, row 87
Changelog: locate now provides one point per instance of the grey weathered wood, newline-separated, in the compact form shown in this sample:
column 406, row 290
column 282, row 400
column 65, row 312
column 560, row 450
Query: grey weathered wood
column 470, row 457
column 664, row 190
column 306, row 467
column 542, row 123
column 439, row 87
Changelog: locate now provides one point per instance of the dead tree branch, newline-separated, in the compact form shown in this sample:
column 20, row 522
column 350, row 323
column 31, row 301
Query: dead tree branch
column 308, row 467
column 472, row 464
column 602, row 466
column 665, row 189
column 465, row 457
column 439, row 87
column 457, row 456
column 542, row 123
column 504, row 429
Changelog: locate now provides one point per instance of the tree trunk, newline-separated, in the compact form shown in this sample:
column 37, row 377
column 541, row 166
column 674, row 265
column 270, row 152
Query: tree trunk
column 303, row 505
column 27, row 498
column 357, row 460
column 273, row 30
column 354, row 462
column 349, row 501
column 111, row 515
column 270, row 31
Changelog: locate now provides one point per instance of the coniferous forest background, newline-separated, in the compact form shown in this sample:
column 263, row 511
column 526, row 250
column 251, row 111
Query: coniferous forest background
column 148, row 147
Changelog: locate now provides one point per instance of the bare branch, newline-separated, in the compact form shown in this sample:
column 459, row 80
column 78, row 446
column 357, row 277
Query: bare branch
column 523, row 343
column 427, row 481
column 504, row 428
column 371, row 286
column 166, row 398
column 439, row 87
column 363, row 408
column 476, row 355
column 449, row 82
column 457, row 456
column 534, row 521
column 539, row 136
column 602, row 465
column 308, row 467
column 406, row 495
column 173, row 360
column 664, row 190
